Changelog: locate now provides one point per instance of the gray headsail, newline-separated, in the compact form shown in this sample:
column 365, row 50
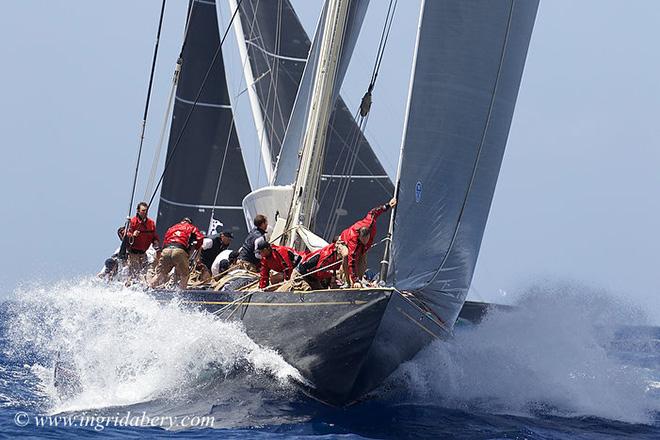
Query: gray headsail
column 466, row 75
column 278, row 47
column 191, row 179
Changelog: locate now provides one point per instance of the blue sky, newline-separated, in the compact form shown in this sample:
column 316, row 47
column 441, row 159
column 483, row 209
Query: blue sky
column 577, row 195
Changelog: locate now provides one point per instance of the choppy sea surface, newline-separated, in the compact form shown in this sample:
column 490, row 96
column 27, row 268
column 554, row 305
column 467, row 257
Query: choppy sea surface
column 566, row 363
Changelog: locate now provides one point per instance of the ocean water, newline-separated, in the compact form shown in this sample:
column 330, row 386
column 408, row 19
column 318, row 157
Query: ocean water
column 566, row 363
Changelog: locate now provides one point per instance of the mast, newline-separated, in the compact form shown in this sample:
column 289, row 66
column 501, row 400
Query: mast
column 306, row 184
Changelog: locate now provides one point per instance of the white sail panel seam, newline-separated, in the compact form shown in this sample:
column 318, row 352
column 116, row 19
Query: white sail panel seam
column 350, row 176
column 274, row 55
column 203, row 104
column 205, row 2
column 189, row 205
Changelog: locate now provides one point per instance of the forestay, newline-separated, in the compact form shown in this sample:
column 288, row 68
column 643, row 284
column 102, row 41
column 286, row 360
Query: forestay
column 466, row 74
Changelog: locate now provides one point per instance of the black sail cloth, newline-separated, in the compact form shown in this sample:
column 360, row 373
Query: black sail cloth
column 191, row 178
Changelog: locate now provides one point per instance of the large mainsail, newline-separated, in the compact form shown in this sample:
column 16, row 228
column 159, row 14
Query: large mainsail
column 209, row 144
column 277, row 49
column 466, row 74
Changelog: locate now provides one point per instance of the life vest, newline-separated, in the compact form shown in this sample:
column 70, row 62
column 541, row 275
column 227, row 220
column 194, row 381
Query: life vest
column 145, row 238
column 246, row 252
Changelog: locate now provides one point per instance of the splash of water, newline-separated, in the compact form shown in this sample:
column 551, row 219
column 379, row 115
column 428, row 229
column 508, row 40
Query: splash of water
column 551, row 355
column 126, row 347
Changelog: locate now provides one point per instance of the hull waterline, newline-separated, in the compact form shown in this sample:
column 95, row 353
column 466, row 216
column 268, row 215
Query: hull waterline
column 343, row 342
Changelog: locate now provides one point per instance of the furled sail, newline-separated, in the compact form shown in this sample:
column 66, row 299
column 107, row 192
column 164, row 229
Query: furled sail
column 277, row 48
column 209, row 143
column 466, row 75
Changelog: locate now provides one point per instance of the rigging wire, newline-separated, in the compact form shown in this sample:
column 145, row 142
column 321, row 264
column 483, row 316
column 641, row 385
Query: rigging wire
column 146, row 108
column 168, row 161
column 222, row 169
column 168, row 111
column 362, row 119
column 231, row 129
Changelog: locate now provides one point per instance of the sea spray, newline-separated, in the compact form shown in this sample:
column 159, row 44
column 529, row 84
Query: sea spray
column 125, row 346
column 549, row 355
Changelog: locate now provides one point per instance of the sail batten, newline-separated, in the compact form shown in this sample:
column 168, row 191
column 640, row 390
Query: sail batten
column 467, row 71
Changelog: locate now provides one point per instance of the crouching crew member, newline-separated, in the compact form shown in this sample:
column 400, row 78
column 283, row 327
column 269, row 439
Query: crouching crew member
column 212, row 247
column 280, row 259
column 223, row 261
column 246, row 258
column 316, row 270
column 141, row 234
column 176, row 252
column 354, row 242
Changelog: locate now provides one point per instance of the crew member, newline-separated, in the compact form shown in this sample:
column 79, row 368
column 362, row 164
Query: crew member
column 176, row 252
column 141, row 234
column 115, row 265
column 212, row 247
column 355, row 241
column 110, row 269
column 280, row 259
column 246, row 258
column 316, row 270
column 223, row 261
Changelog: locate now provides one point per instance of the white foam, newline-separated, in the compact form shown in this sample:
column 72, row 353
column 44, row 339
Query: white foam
column 550, row 355
column 127, row 347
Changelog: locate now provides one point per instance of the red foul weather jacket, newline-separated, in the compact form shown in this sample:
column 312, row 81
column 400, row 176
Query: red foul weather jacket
column 351, row 237
column 145, row 238
column 323, row 257
column 281, row 259
column 181, row 234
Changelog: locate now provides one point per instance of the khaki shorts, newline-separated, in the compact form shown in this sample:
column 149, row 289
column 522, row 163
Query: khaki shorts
column 173, row 258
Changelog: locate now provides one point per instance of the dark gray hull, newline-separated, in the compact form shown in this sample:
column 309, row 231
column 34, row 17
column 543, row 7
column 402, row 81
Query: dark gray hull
column 343, row 342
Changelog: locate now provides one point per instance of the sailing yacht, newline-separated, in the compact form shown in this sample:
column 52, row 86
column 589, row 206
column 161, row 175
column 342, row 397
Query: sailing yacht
column 320, row 173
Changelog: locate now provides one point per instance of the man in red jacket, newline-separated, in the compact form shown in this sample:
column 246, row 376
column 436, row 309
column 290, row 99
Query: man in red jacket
column 354, row 242
column 279, row 259
column 141, row 234
column 316, row 271
column 176, row 252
